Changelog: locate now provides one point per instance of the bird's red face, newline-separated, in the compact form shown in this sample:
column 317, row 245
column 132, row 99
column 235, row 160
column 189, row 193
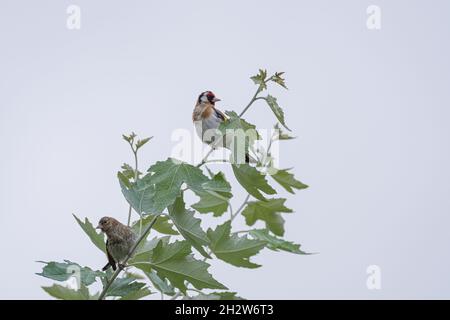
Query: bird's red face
column 207, row 96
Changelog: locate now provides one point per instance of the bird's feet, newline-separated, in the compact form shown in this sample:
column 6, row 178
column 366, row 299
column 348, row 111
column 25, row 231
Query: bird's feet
column 121, row 266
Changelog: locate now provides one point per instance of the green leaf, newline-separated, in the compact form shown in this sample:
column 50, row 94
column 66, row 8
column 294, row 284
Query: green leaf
column 273, row 104
column 139, row 195
column 277, row 78
column 136, row 295
column 225, row 295
column 122, row 287
column 160, row 284
column 252, row 181
column 267, row 211
column 134, row 275
column 162, row 225
column 60, row 292
column 260, row 79
column 148, row 245
column 215, row 196
column 124, row 180
column 161, row 186
column 126, row 138
column 188, row 226
column 281, row 134
column 287, row 180
column 140, row 143
column 62, row 271
column 127, row 171
column 97, row 238
column 167, row 178
column 275, row 243
column 233, row 249
column 235, row 122
column 174, row 262
column 240, row 136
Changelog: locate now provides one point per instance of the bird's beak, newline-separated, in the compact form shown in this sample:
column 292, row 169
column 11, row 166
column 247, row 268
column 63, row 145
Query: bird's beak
column 216, row 99
column 98, row 227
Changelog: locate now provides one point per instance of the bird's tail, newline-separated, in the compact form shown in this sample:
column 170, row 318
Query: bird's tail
column 249, row 159
column 108, row 265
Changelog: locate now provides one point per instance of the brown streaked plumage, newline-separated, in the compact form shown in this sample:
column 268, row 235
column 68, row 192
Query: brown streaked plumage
column 120, row 240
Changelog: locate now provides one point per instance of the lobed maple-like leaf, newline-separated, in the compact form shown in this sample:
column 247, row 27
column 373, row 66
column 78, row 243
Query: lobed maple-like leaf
column 234, row 249
column 269, row 212
column 174, row 262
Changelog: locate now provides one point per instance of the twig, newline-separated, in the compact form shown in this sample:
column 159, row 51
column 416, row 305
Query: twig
column 130, row 254
column 176, row 296
column 250, row 103
column 241, row 207
column 134, row 150
column 205, row 158
column 217, row 161
column 255, row 97
column 180, row 293
column 241, row 231
column 196, row 290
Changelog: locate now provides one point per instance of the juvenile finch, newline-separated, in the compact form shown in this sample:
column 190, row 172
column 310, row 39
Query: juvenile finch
column 207, row 117
column 120, row 240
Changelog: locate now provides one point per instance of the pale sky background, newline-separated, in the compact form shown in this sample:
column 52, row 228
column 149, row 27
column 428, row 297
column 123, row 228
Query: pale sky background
column 370, row 108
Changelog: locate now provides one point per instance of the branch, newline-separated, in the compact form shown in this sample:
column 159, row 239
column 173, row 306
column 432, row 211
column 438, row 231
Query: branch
column 240, row 208
column 217, row 161
column 205, row 159
column 176, row 296
column 255, row 97
column 135, row 176
column 130, row 254
column 241, row 231
column 250, row 103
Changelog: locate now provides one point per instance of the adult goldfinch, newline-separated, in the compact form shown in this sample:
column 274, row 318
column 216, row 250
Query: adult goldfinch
column 206, row 116
column 207, row 119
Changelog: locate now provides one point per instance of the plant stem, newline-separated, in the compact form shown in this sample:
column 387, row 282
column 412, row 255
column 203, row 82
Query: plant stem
column 241, row 231
column 255, row 97
column 129, row 215
column 130, row 254
column 240, row 208
column 176, row 296
column 250, row 103
column 136, row 174
column 217, row 161
column 179, row 293
column 205, row 158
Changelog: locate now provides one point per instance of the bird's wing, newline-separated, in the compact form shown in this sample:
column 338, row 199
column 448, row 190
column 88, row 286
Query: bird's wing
column 220, row 114
column 111, row 260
